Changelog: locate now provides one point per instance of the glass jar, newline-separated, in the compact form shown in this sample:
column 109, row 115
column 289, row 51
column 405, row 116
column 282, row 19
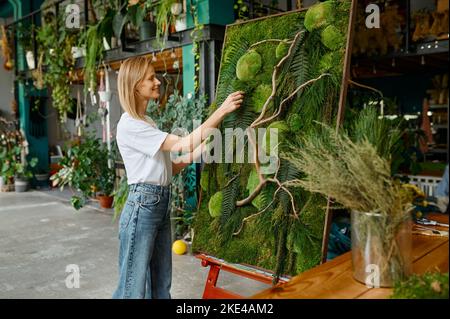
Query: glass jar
column 381, row 248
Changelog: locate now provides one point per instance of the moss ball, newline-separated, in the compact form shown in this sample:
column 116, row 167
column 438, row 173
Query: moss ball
column 331, row 62
column 215, row 205
column 319, row 15
column 260, row 96
column 332, row 38
column 248, row 65
column 282, row 49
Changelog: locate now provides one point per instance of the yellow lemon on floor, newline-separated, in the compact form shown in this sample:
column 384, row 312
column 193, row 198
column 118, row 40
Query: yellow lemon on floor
column 179, row 247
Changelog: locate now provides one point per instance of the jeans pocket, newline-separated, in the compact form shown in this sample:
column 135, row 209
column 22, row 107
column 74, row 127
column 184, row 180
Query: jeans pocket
column 127, row 213
column 149, row 199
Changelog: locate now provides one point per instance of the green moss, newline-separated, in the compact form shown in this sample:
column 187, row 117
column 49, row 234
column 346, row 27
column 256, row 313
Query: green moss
column 281, row 129
column 204, row 181
column 215, row 204
column 332, row 62
column 319, row 15
column 260, row 96
column 248, row 66
column 332, row 38
column 282, row 49
column 427, row 286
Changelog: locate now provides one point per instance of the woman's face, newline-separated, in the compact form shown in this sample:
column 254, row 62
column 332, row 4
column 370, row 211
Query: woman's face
column 149, row 86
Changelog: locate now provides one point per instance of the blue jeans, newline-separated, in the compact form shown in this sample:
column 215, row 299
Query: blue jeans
column 145, row 256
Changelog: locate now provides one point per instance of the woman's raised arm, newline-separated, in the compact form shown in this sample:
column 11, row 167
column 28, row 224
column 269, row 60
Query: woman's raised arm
column 174, row 143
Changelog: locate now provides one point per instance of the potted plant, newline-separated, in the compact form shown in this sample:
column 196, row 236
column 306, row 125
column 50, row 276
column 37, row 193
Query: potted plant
column 105, row 186
column 356, row 176
column 83, row 168
column 23, row 174
column 10, row 154
column 42, row 177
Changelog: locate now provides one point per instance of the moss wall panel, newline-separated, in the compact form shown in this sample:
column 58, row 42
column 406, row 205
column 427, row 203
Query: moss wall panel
column 281, row 228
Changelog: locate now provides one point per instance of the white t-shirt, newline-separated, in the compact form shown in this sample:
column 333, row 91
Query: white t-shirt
column 140, row 146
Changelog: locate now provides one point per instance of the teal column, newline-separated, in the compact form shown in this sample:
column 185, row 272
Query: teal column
column 209, row 12
column 38, row 147
column 188, row 70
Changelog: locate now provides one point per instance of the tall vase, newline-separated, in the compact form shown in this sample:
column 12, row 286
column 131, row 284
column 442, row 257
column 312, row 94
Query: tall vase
column 381, row 248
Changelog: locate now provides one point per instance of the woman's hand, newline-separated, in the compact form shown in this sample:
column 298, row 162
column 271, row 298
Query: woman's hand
column 232, row 103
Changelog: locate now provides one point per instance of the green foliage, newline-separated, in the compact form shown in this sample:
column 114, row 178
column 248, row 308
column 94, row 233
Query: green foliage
column 93, row 40
column 252, row 183
column 248, row 66
column 12, row 147
column 179, row 115
column 332, row 38
column 282, row 49
column 426, row 286
column 164, row 19
column 319, row 15
column 55, row 45
column 276, row 130
column 23, row 169
column 85, row 169
column 295, row 122
column 120, row 196
column 215, row 204
column 382, row 133
column 24, row 35
column 260, row 96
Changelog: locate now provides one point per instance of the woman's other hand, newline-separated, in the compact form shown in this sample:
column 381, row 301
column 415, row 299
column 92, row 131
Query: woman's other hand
column 232, row 103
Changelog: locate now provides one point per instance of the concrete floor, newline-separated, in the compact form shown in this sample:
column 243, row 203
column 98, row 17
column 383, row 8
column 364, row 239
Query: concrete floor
column 41, row 235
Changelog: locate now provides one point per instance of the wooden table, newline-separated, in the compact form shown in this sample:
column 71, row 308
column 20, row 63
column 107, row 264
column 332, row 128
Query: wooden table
column 334, row 279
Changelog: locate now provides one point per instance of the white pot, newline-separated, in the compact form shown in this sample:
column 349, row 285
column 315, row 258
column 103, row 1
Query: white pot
column 176, row 8
column 105, row 96
column 77, row 52
column 30, row 60
column 20, row 185
column 113, row 42
column 106, row 44
column 180, row 23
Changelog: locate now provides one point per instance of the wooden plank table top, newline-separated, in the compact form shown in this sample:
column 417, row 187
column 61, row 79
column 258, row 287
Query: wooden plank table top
column 334, row 279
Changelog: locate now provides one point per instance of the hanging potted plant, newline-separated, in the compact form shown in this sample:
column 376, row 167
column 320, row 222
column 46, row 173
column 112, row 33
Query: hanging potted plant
column 25, row 39
column 180, row 16
column 147, row 29
column 176, row 8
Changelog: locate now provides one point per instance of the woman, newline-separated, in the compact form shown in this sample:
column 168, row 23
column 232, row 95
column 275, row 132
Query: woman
column 145, row 259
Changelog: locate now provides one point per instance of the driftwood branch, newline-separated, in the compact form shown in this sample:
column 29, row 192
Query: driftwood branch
column 269, row 40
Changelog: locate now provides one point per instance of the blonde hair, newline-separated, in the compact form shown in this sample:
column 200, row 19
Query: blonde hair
column 131, row 73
